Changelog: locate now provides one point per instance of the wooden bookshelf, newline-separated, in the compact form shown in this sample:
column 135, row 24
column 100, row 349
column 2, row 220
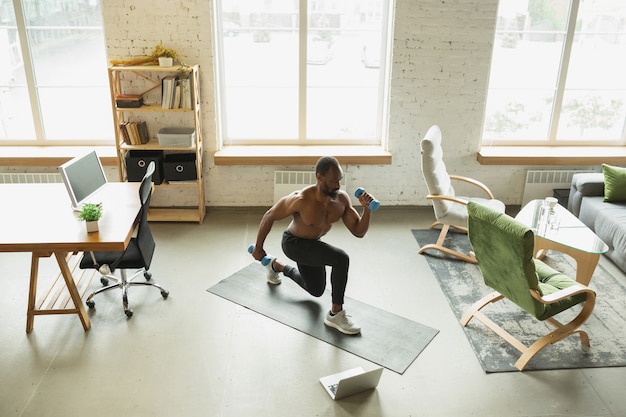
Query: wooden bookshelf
column 151, row 77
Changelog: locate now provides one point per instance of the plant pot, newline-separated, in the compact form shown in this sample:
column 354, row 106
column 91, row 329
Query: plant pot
column 92, row 226
column 165, row 61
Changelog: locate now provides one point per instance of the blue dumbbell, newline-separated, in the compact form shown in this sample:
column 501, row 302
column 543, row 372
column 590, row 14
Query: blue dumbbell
column 374, row 204
column 266, row 259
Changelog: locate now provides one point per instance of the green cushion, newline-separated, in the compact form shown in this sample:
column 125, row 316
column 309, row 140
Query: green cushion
column 614, row 183
column 551, row 281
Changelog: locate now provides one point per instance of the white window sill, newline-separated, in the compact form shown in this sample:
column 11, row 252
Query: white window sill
column 300, row 155
column 550, row 155
column 47, row 156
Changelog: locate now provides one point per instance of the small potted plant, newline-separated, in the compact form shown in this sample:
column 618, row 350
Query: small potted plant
column 90, row 213
column 166, row 56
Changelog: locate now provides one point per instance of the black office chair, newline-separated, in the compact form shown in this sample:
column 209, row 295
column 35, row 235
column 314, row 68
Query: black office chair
column 138, row 254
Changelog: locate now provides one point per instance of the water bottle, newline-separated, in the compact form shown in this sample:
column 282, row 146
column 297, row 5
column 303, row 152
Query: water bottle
column 552, row 220
column 548, row 219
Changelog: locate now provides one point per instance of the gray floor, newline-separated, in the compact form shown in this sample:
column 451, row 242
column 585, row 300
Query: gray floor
column 196, row 354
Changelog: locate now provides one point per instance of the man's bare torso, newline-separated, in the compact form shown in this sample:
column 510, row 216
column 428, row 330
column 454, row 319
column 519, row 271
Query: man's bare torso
column 313, row 218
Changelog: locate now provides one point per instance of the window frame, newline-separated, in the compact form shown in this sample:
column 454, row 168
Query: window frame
column 384, row 88
column 32, row 87
column 552, row 139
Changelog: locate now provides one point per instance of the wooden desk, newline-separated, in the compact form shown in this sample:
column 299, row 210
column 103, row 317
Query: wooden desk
column 38, row 218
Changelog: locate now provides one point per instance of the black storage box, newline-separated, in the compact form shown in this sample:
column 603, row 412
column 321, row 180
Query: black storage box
column 562, row 195
column 180, row 167
column 137, row 162
column 129, row 104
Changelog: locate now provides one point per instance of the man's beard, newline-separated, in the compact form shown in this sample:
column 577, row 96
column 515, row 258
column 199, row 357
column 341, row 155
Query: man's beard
column 332, row 193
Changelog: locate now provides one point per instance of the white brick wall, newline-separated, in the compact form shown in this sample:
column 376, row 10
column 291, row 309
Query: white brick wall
column 440, row 68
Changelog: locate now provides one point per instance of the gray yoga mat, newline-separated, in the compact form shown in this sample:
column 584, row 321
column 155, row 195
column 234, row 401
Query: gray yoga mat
column 386, row 339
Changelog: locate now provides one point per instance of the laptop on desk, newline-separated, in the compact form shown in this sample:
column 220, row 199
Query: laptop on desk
column 350, row 382
column 83, row 177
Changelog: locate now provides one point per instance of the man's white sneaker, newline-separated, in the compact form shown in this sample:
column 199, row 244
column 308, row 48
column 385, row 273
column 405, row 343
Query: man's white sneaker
column 342, row 322
column 272, row 276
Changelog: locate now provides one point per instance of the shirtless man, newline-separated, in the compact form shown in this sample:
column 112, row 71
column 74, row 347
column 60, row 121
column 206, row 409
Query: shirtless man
column 314, row 209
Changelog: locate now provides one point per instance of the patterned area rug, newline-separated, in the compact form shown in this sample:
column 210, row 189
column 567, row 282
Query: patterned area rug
column 462, row 285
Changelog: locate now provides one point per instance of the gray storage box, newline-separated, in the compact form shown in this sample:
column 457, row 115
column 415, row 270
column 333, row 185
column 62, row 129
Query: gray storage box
column 177, row 136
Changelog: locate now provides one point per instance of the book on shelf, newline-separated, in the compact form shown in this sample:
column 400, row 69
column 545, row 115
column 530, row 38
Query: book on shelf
column 186, row 96
column 134, row 133
column 176, row 92
column 176, row 101
column 144, row 137
column 168, row 91
column 125, row 135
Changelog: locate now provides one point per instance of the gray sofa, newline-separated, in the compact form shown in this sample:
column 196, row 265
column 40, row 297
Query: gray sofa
column 607, row 220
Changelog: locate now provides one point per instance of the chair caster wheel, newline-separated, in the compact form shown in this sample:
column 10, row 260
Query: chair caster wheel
column 164, row 294
column 91, row 304
column 129, row 313
column 104, row 281
column 147, row 276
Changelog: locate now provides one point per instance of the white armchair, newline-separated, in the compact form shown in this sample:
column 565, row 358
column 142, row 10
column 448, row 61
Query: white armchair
column 450, row 209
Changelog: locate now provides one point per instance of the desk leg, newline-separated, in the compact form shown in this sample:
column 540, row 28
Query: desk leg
column 71, row 287
column 585, row 262
column 32, row 292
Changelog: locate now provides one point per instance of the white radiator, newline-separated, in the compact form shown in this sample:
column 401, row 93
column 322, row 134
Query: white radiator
column 540, row 184
column 286, row 182
column 29, row 178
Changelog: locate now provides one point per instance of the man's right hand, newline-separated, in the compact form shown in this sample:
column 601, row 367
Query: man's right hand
column 258, row 252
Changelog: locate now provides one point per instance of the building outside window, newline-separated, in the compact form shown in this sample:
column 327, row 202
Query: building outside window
column 302, row 72
column 557, row 74
column 53, row 74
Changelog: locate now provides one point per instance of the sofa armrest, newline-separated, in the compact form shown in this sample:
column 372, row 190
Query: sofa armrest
column 584, row 184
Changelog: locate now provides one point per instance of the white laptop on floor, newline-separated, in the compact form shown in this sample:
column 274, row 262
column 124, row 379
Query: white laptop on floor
column 350, row 382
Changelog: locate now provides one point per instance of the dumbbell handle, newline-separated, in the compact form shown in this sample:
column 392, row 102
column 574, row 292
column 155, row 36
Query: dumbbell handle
column 374, row 204
column 266, row 259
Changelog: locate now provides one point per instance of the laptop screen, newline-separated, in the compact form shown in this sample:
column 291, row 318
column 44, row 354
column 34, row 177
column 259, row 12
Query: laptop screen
column 82, row 176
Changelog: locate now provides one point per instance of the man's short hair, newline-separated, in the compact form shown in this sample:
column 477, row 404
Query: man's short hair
column 325, row 163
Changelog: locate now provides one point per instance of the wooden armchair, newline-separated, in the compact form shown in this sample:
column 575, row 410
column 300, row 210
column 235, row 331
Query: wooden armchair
column 504, row 249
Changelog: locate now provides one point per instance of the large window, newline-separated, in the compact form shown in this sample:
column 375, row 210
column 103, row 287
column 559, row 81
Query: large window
column 558, row 73
column 302, row 71
column 53, row 78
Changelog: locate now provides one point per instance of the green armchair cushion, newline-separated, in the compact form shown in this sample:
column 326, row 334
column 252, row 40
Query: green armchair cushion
column 504, row 248
column 551, row 281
